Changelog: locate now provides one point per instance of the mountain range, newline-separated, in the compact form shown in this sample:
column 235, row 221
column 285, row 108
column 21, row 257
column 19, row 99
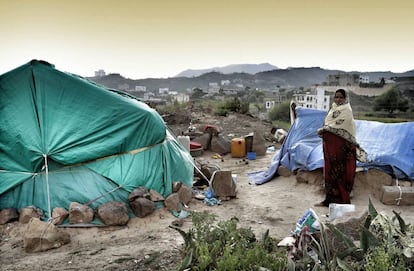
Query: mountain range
column 234, row 68
column 265, row 80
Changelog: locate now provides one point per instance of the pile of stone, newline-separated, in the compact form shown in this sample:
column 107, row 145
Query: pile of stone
column 210, row 137
column 42, row 236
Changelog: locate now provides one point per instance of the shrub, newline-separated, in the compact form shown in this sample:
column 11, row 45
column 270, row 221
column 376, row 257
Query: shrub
column 223, row 246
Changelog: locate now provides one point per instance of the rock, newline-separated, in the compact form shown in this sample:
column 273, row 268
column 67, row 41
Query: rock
column 7, row 215
column 185, row 194
column 59, row 215
column 397, row 195
column 220, row 145
column 284, row 171
column 155, row 196
column 27, row 213
column 79, row 213
column 172, row 202
column 142, row 207
column 140, row 192
column 223, row 185
column 176, row 186
column 213, row 130
column 113, row 213
column 42, row 236
column 204, row 140
column 259, row 144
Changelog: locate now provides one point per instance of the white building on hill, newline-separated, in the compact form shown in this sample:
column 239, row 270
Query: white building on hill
column 315, row 99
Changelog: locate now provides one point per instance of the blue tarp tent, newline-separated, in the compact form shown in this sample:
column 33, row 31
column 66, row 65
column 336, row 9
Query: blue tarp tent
column 390, row 147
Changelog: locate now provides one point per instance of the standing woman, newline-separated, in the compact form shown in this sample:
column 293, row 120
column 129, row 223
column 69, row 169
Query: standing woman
column 339, row 150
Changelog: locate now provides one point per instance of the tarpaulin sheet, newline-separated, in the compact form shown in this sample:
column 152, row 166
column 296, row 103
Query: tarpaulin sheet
column 69, row 139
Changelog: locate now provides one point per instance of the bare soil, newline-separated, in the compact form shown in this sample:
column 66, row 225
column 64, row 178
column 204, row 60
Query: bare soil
column 150, row 244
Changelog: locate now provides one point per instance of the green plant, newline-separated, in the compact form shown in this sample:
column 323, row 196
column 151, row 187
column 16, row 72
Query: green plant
column 211, row 245
column 280, row 112
column 232, row 105
column 385, row 244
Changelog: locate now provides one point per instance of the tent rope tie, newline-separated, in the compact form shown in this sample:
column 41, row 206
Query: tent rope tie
column 131, row 152
column 47, row 187
column 398, row 200
column 103, row 195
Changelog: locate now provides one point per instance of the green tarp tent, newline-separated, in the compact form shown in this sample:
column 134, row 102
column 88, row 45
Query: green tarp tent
column 64, row 138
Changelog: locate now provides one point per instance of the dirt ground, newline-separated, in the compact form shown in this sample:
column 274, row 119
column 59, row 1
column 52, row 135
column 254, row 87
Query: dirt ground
column 149, row 244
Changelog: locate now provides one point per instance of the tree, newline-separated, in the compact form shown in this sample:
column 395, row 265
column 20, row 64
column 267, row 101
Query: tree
column 390, row 101
column 280, row 112
column 197, row 93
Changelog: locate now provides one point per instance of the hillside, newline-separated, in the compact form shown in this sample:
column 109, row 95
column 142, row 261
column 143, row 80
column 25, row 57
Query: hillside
column 235, row 68
column 267, row 80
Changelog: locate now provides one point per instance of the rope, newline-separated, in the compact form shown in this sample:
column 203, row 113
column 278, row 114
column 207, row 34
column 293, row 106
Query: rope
column 103, row 195
column 47, row 187
column 398, row 200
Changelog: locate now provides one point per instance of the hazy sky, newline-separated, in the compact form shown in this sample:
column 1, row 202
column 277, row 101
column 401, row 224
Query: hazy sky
column 153, row 38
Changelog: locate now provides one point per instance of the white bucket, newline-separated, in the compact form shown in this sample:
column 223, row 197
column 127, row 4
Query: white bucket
column 185, row 141
column 338, row 210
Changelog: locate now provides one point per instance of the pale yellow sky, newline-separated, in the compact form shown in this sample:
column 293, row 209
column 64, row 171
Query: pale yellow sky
column 142, row 39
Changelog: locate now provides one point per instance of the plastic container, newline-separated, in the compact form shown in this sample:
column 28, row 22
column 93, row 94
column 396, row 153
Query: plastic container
column 337, row 210
column 185, row 141
column 251, row 155
column 238, row 147
column 249, row 142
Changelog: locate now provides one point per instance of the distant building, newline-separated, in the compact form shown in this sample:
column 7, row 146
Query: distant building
column 269, row 105
column 225, row 82
column 213, row 87
column 141, row 88
column 163, row 90
column 181, row 98
column 100, row 73
column 315, row 99
column 363, row 79
column 276, row 99
column 343, row 79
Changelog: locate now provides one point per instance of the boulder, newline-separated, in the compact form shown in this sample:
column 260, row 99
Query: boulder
column 113, row 213
column 185, row 194
column 59, row 215
column 223, row 185
column 204, row 140
column 259, row 144
column 220, row 145
column 27, row 213
column 140, row 192
column 7, row 215
column 79, row 213
column 284, row 171
column 172, row 202
column 142, row 207
column 42, row 236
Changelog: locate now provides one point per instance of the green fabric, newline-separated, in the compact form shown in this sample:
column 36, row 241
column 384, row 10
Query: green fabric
column 87, row 137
